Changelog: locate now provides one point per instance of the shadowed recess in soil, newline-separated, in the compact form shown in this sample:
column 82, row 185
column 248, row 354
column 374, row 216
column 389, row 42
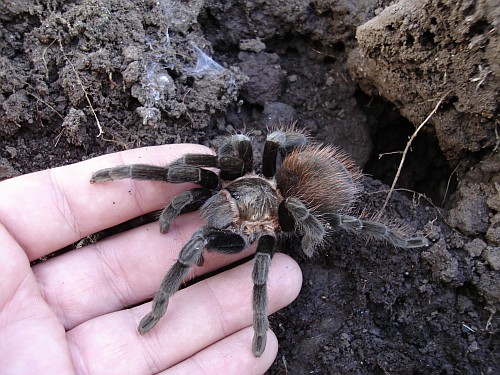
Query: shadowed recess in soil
column 425, row 169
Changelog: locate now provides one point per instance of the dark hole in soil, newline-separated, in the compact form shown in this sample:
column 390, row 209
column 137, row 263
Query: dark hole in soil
column 174, row 73
column 410, row 40
column 469, row 9
column 425, row 169
column 427, row 39
column 133, row 104
column 190, row 82
column 339, row 47
column 479, row 27
column 329, row 60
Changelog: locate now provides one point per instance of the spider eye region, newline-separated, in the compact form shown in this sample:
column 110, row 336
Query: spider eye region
column 234, row 194
column 255, row 198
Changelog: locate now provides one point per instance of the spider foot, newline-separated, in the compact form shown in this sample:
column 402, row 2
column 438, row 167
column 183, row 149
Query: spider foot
column 148, row 322
column 101, row 176
column 259, row 344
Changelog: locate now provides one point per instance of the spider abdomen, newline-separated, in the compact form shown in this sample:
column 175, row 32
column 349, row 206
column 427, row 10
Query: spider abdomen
column 323, row 177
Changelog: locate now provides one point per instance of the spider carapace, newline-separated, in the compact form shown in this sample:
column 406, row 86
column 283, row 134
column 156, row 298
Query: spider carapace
column 303, row 187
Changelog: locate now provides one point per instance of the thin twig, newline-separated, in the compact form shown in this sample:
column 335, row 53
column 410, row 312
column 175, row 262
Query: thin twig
column 389, row 153
column 84, row 91
column 44, row 102
column 496, row 136
column 488, row 323
column 448, row 184
column 418, row 196
column 408, row 144
column 45, row 61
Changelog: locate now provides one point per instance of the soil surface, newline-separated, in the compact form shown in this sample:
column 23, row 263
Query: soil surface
column 87, row 77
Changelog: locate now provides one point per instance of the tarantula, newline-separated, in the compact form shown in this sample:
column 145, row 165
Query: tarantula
column 303, row 188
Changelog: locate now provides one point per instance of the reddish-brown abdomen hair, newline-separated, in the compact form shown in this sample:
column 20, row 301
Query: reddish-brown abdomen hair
column 323, row 177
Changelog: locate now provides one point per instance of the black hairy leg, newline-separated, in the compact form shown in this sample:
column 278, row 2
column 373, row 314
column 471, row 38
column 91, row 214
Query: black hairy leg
column 187, row 201
column 176, row 173
column 377, row 230
column 212, row 239
column 260, row 273
column 195, row 160
column 235, row 157
column 294, row 215
column 281, row 141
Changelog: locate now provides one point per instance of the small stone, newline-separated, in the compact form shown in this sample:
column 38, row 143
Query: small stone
column 492, row 256
column 253, row 45
column 493, row 235
column 442, row 263
column 475, row 247
column 7, row 170
column 12, row 151
column 473, row 346
column 132, row 53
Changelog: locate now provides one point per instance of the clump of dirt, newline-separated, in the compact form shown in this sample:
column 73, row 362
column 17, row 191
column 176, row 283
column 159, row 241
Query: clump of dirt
column 79, row 79
column 130, row 69
column 415, row 51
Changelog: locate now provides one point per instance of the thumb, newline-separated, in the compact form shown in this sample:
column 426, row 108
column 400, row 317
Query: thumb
column 31, row 338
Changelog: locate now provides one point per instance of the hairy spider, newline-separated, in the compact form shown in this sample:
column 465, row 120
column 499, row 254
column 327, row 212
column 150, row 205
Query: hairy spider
column 304, row 188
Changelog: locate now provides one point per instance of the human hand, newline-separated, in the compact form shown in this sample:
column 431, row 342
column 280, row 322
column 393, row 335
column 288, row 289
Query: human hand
column 78, row 312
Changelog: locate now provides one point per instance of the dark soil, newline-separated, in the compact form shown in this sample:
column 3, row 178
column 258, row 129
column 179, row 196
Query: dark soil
column 357, row 74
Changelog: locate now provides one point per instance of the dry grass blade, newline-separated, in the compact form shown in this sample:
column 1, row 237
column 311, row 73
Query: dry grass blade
column 99, row 127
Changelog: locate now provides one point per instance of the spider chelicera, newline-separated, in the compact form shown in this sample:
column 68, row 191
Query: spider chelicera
column 302, row 188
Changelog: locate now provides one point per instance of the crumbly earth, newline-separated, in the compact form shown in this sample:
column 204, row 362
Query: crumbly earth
column 83, row 78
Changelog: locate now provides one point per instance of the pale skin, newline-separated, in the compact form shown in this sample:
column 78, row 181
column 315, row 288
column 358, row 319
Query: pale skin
column 78, row 313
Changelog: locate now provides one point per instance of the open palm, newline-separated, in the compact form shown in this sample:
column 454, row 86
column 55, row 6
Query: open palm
column 78, row 312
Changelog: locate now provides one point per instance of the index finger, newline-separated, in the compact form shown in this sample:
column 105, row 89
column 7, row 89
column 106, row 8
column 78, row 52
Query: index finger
column 48, row 210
